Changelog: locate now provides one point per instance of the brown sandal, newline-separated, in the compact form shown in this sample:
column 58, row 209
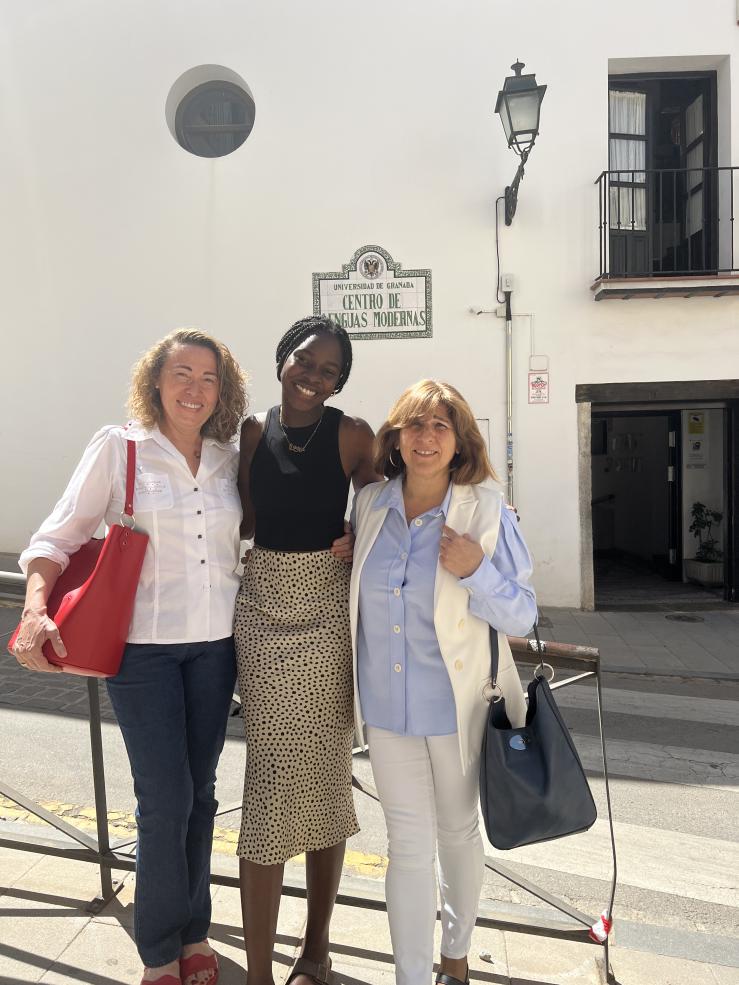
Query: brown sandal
column 444, row 979
column 320, row 973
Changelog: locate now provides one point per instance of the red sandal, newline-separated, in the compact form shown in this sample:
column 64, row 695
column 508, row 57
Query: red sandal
column 199, row 969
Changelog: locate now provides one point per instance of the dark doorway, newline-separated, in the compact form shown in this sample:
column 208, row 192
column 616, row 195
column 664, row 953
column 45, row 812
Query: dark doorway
column 636, row 498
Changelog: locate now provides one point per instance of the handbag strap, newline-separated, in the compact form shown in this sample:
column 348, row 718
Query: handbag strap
column 130, row 477
column 494, row 656
column 495, row 651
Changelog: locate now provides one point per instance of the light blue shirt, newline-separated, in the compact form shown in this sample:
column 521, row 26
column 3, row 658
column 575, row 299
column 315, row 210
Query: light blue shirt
column 403, row 682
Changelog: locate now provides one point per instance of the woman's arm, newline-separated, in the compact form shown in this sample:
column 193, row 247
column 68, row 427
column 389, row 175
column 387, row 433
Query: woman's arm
column 251, row 432
column 72, row 523
column 356, row 446
column 36, row 626
column 499, row 587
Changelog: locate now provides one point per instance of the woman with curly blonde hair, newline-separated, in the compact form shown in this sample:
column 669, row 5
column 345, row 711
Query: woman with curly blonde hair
column 174, row 688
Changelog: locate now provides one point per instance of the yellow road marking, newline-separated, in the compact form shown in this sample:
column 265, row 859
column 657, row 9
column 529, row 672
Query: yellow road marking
column 123, row 825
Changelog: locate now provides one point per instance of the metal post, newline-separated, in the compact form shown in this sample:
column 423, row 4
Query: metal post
column 107, row 888
column 509, row 394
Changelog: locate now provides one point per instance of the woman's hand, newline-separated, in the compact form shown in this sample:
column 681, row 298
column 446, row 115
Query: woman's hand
column 36, row 629
column 343, row 547
column 459, row 554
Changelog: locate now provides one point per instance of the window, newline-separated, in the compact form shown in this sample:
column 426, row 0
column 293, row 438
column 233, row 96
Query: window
column 214, row 119
column 662, row 177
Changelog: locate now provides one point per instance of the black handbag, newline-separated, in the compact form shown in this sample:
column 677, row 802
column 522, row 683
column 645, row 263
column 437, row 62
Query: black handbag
column 532, row 784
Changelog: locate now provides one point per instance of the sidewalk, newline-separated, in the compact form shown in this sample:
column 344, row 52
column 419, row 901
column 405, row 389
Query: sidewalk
column 672, row 643
column 49, row 937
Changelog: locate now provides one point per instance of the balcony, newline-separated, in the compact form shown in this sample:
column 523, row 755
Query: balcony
column 666, row 233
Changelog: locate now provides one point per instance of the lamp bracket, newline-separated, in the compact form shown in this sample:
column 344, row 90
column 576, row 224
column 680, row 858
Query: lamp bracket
column 511, row 192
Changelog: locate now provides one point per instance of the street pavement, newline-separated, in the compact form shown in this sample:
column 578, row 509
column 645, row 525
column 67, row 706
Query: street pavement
column 672, row 727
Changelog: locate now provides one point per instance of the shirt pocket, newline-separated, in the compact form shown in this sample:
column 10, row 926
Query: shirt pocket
column 228, row 494
column 153, row 491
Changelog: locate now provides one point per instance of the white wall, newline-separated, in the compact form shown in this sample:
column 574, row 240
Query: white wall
column 373, row 125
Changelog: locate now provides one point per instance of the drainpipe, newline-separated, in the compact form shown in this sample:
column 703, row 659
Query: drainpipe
column 509, row 394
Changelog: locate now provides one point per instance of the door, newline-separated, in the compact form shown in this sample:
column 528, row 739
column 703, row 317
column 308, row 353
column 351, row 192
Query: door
column 731, row 570
column 673, row 568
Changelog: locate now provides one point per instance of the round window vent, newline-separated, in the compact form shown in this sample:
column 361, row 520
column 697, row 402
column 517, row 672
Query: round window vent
column 210, row 111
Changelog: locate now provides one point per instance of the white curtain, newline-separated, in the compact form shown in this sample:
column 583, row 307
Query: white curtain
column 627, row 114
column 624, row 209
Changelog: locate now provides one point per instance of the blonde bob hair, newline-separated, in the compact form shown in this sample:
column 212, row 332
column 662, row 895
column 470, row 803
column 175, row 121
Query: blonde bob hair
column 145, row 404
column 471, row 463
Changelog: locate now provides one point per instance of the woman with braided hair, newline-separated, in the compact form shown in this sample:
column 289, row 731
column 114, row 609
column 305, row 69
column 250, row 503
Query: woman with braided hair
column 293, row 642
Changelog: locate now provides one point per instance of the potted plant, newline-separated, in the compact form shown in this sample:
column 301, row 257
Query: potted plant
column 707, row 566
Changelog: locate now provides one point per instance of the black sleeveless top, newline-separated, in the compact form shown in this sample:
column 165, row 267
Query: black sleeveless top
column 299, row 498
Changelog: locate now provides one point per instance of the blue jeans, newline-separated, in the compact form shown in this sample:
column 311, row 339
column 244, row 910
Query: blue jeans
column 172, row 704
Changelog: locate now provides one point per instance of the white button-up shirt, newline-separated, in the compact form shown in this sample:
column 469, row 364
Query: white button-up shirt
column 188, row 580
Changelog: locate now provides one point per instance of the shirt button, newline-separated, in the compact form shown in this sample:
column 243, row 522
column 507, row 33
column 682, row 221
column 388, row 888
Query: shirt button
column 200, row 536
column 396, row 591
column 199, row 512
column 460, row 624
column 195, row 489
column 202, row 562
column 397, row 668
column 404, row 556
column 396, row 629
column 458, row 665
column 418, row 522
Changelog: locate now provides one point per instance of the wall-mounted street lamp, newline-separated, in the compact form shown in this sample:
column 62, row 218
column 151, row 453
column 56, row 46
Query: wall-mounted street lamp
column 518, row 105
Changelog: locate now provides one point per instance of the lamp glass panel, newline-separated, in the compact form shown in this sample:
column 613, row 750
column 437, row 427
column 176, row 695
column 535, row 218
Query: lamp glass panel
column 506, row 120
column 524, row 110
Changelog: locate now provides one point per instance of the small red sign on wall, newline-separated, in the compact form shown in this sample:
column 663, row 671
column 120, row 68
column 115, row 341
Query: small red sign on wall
column 539, row 387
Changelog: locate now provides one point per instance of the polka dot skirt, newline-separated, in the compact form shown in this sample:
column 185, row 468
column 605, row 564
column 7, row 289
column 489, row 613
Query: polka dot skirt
column 294, row 654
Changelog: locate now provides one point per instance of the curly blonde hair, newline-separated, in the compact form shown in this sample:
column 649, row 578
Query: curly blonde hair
column 144, row 402
column 469, row 466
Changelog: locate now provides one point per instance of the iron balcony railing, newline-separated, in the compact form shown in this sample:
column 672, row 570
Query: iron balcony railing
column 666, row 222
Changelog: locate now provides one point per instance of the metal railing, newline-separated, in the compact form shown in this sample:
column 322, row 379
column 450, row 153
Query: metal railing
column 81, row 846
column 660, row 222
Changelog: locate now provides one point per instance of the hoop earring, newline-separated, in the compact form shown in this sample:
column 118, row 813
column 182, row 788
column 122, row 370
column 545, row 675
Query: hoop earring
column 394, row 464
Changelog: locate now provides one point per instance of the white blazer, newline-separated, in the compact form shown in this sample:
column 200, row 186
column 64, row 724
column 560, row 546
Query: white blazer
column 464, row 639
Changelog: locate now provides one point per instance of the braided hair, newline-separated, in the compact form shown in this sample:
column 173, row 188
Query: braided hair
column 316, row 325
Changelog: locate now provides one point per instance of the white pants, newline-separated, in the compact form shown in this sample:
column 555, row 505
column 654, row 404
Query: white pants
column 428, row 802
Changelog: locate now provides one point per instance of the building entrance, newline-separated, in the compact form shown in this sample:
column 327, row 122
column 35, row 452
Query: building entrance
column 663, row 495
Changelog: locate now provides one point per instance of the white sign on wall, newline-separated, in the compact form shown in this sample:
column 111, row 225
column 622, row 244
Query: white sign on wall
column 697, row 449
column 539, row 387
column 372, row 297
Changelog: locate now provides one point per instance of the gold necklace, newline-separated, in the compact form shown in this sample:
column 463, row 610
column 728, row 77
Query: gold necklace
column 291, row 446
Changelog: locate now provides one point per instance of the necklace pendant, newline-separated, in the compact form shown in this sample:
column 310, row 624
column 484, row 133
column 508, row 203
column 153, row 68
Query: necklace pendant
column 292, row 447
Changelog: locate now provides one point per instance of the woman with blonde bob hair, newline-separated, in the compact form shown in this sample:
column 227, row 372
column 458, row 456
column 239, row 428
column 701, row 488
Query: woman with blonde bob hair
column 438, row 561
column 173, row 692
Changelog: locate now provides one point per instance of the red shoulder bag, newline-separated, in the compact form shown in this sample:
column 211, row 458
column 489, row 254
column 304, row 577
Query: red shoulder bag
column 92, row 600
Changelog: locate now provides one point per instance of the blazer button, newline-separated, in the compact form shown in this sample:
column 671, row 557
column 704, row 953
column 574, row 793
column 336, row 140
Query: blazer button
column 458, row 665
